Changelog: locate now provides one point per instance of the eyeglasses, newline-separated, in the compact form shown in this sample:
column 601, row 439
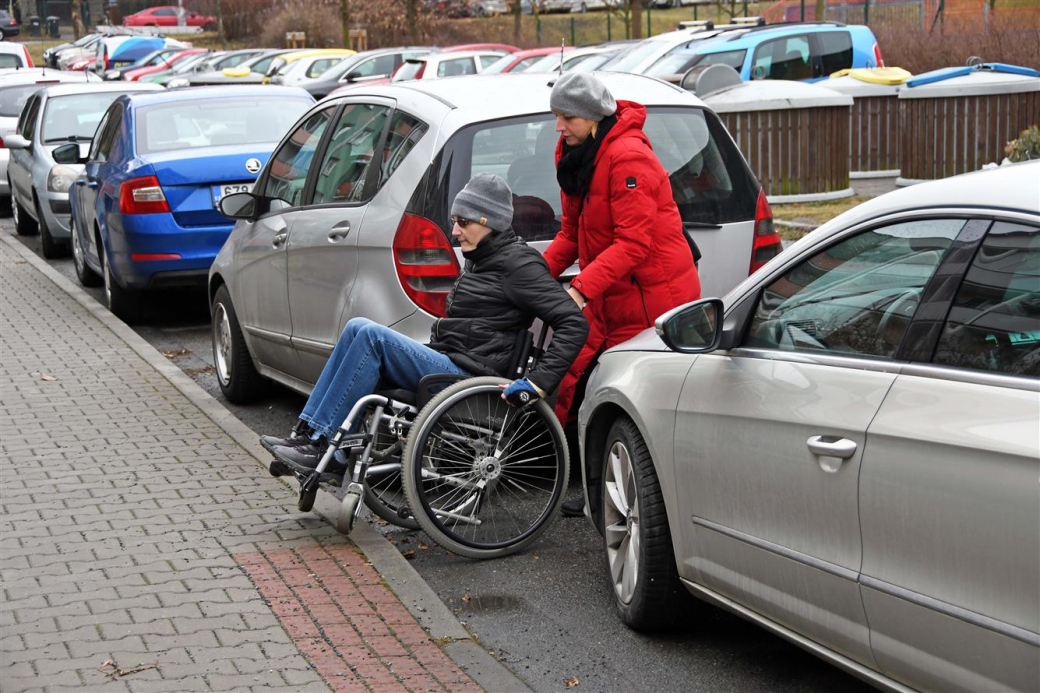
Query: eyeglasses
column 463, row 222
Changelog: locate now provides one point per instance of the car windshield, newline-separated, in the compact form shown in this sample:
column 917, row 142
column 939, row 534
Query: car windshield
column 410, row 70
column 216, row 122
column 188, row 63
column 632, row 59
column 259, row 65
column 221, row 61
column 75, row 117
column 734, row 59
column 499, row 65
column 546, row 63
column 591, row 63
column 13, row 98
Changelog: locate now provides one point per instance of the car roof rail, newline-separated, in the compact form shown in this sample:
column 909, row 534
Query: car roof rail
column 703, row 24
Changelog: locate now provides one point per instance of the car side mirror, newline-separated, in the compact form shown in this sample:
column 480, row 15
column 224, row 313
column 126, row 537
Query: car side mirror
column 17, row 142
column 67, row 154
column 694, row 328
column 353, row 76
column 240, row 205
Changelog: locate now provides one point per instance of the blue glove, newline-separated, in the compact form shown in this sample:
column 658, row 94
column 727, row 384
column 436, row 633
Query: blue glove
column 520, row 392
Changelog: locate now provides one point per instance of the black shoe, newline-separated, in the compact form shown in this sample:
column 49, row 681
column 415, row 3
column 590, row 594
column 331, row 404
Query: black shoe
column 573, row 508
column 271, row 442
column 300, row 457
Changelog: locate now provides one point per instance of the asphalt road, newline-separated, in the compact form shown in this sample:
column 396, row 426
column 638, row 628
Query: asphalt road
column 547, row 612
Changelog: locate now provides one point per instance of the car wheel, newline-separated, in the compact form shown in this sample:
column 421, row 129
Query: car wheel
column 238, row 378
column 50, row 247
column 636, row 534
column 23, row 223
column 86, row 276
column 125, row 305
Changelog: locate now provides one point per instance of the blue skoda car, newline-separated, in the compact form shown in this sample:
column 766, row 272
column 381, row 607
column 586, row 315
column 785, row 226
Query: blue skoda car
column 144, row 212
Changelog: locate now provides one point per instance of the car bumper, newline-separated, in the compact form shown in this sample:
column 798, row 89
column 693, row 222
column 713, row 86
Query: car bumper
column 144, row 235
column 5, row 156
column 56, row 211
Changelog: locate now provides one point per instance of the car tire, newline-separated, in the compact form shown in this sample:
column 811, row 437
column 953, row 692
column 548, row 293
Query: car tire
column 237, row 376
column 86, row 276
column 636, row 535
column 125, row 305
column 24, row 224
column 49, row 246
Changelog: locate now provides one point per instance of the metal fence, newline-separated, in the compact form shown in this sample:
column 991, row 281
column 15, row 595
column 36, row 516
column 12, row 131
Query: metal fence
column 946, row 16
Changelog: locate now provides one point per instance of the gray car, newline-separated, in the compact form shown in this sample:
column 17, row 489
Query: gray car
column 40, row 187
column 845, row 449
column 350, row 216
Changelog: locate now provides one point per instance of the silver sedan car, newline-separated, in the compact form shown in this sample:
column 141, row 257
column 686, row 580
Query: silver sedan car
column 51, row 117
column 846, row 448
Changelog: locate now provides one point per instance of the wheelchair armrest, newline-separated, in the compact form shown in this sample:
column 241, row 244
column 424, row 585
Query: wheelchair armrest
column 432, row 384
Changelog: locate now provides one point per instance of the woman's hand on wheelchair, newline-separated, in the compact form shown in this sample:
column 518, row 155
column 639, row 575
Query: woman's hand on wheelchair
column 520, row 392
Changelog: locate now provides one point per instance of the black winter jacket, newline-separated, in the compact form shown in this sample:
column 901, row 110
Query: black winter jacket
column 503, row 287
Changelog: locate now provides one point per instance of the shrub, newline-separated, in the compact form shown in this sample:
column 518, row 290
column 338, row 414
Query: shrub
column 1026, row 147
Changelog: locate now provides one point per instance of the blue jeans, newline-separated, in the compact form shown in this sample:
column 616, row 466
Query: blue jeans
column 365, row 353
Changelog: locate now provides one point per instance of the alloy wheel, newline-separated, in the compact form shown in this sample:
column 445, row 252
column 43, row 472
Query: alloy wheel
column 77, row 249
column 222, row 354
column 621, row 522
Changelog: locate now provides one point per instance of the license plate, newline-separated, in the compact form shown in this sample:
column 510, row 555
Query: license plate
column 121, row 63
column 220, row 191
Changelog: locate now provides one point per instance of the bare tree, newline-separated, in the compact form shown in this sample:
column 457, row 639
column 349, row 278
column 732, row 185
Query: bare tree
column 412, row 13
column 220, row 25
column 821, row 10
column 517, row 21
column 76, row 10
column 344, row 18
column 622, row 9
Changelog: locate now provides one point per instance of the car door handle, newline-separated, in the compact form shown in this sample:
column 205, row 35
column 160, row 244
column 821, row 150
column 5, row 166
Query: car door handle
column 831, row 446
column 339, row 231
column 279, row 239
column 92, row 184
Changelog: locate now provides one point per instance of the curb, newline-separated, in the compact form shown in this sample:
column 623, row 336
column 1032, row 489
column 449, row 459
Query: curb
column 418, row 597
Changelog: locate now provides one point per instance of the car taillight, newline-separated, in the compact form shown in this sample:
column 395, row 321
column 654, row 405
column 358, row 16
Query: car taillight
column 878, row 60
column 425, row 263
column 766, row 243
column 142, row 196
column 28, row 58
column 2, row 145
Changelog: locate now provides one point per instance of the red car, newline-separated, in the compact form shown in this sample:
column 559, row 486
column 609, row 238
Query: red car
column 166, row 15
column 134, row 75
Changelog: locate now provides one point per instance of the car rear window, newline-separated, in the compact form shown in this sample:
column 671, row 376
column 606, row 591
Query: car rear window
column 409, row 70
column 13, row 98
column 835, row 50
column 215, row 122
column 711, row 183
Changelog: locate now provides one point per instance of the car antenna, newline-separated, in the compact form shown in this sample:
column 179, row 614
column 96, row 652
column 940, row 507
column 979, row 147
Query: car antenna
column 563, row 42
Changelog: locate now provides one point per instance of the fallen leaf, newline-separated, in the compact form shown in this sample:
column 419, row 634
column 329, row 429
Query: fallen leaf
column 572, row 682
column 409, row 554
column 178, row 352
column 111, row 669
column 423, row 545
column 48, row 378
column 466, row 598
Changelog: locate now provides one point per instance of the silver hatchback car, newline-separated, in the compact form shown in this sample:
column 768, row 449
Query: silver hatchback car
column 846, row 448
column 350, row 216
column 53, row 116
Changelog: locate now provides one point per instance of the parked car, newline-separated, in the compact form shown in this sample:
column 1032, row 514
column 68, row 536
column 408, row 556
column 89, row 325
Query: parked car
column 247, row 72
column 327, row 56
column 166, row 63
column 53, row 116
column 14, row 55
column 844, row 448
column 166, row 15
column 593, row 55
column 437, row 65
column 159, row 59
column 16, row 86
column 50, row 55
column 196, row 62
column 349, row 228
column 8, row 25
column 114, row 52
column 66, row 57
column 361, row 69
column 801, row 51
column 144, row 211
column 519, row 61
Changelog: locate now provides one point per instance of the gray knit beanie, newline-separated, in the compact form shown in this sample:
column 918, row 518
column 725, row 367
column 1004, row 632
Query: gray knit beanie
column 487, row 200
column 582, row 94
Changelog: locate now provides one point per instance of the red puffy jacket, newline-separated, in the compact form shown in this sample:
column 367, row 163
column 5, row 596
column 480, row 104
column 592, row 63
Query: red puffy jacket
column 627, row 237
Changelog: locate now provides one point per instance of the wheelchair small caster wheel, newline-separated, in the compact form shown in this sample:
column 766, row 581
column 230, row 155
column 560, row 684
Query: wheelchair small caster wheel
column 348, row 511
column 278, row 468
column 307, row 497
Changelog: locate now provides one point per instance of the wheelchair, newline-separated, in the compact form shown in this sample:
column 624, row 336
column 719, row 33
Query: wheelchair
column 482, row 478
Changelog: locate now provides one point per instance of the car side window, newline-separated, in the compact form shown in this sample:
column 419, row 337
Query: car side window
column 456, row 66
column 835, row 49
column 994, row 323
column 486, row 60
column 28, row 114
column 405, row 132
column 380, row 65
column 287, row 174
column 351, row 151
column 105, row 139
column 319, row 66
column 785, row 58
column 857, row 297
column 96, row 142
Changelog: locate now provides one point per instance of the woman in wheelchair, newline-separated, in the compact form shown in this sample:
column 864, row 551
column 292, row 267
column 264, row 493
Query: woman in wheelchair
column 504, row 285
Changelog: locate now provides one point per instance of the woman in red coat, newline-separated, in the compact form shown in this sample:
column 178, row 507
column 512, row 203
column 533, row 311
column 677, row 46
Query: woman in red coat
column 620, row 223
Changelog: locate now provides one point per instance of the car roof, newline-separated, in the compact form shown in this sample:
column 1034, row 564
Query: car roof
column 215, row 92
column 69, row 89
column 455, row 55
column 1011, row 187
column 752, row 36
column 28, row 75
column 310, row 53
column 526, row 93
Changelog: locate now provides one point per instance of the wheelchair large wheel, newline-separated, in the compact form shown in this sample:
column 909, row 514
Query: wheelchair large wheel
column 384, row 492
column 482, row 478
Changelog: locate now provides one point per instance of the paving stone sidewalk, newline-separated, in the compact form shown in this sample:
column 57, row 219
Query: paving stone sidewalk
column 135, row 532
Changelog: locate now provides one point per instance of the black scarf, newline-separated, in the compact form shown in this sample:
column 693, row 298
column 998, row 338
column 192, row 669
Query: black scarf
column 574, row 172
